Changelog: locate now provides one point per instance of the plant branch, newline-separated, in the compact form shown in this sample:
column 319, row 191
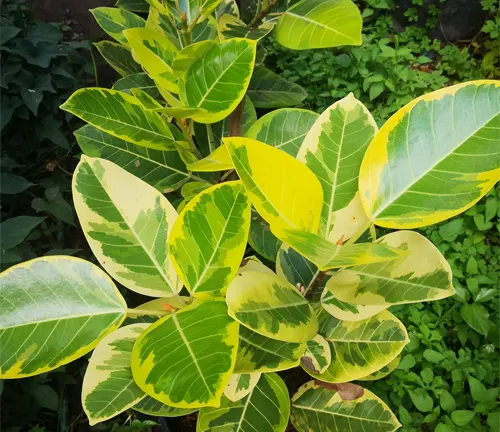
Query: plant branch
column 315, row 281
column 188, row 137
column 236, row 120
column 263, row 13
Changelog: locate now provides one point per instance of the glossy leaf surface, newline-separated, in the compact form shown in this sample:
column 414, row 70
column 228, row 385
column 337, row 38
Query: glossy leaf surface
column 139, row 81
column 119, row 57
column 240, row 385
column 262, row 240
column 317, row 357
column 229, row 26
column 114, row 20
column 347, row 311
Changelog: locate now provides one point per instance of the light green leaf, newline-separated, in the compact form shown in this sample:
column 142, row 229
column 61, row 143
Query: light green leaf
column 180, row 371
column 197, row 9
column 114, row 20
column 188, row 55
column 230, row 26
column 240, row 385
column 265, row 409
column 312, row 24
column 284, row 128
column 120, row 115
column 227, row 7
column 153, row 407
column 347, row 311
column 139, row 81
column 421, row 274
column 218, row 160
column 190, row 190
column 127, row 224
column 163, row 24
column 316, row 408
column 54, row 310
column 262, row 240
column 208, row 240
column 271, row 307
column 219, row 91
column 269, row 90
column 318, row 356
column 108, row 386
column 383, row 372
column 118, row 57
column 434, row 158
column 477, row 317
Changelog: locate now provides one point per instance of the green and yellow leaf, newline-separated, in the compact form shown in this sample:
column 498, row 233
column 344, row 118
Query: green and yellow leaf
column 127, row 224
column 189, row 54
column 271, row 307
column 230, row 26
column 434, row 158
column 205, row 30
column 383, row 372
column 190, row 190
column 422, row 274
column 347, row 311
column 227, row 7
column 265, row 409
column 114, row 20
column 312, row 24
column 195, row 10
column 240, row 385
column 253, row 264
column 318, row 356
column 153, row 407
column 193, row 364
column 262, row 240
column 316, row 408
column 108, row 386
column 139, row 81
column 119, row 58
column 54, row 310
column 218, row 160
column 209, row 238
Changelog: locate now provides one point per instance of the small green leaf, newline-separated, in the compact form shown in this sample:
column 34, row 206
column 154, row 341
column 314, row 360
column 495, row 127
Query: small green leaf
column 477, row 317
column 421, row 400
column 433, row 356
column 447, row 401
column 462, row 417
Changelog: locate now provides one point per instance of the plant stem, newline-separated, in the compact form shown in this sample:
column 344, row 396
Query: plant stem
column 317, row 278
column 373, row 232
column 358, row 234
column 262, row 14
column 236, row 120
column 210, row 136
column 149, row 312
column 188, row 138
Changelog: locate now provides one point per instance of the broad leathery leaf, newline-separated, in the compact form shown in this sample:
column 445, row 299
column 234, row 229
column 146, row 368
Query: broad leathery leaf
column 257, row 353
column 283, row 190
column 127, row 224
column 109, row 376
column 114, row 20
column 148, row 102
column 133, row 5
column 54, row 310
column 209, row 238
column 153, row 407
column 229, row 26
column 227, row 7
column 120, row 115
column 360, row 348
column 434, row 158
column 313, row 24
column 318, row 356
column 271, row 307
column 218, row 160
column 193, row 364
column 190, row 190
column 163, row 170
column 139, row 81
column 161, row 23
column 188, row 55
column 205, row 30
column 253, row 264
column 269, row 90
column 119, row 58
column 179, row 112
column 219, row 90
column 195, row 10
column 333, row 149
column 265, row 409
column 155, row 52
column 261, row 239
column 347, row 311
column 422, row 274
column 283, row 128
column 327, row 255
column 315, row 408
column 383, row 372
column 240, row 385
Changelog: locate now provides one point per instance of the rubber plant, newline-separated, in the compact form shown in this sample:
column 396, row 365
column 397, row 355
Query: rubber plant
column 178, row 174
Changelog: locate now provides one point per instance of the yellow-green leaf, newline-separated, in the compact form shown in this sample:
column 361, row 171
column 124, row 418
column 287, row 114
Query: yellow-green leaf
column 218, row 160
column 422, row 274
column 383, row 372
column 121, row 115
column 54, row 310
column 271, row 307
column 119, row 57
column 316, row 408
column 230, row 26
column 114, row 20
column 108, row 386
column 139, row 81
column 197, row 9
column 240, row 385
column 319, row 24
column 127, row 224
column 193, row 364
column 347, row 311
column 434, row 158
column 317, row 357
column 209, row 238
column 188, row 55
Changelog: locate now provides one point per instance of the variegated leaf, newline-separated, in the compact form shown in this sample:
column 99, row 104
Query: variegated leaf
column 119, row 58
column 360, row 348
column 230, row 26
column 127, row 224
column 262, row 240
column 347, row 311
column 108, row 386
column 421, row 274
column 257, row 353
column 271, row 307
column 209, row 238
column 114, row 20
column 318, row 356
column 218, row 160
column 312, row 24
column 333, row 149
column 153, row 407
column 205, row 30
column 240, row 385
column 269, row 90
column 162, row 23
column 283, row 128
column 315, row 408
column 253, row 264
column 139, row 81
column 227, row 7
column 195, row 10
column 434, row 158
column 54, row 310
column 383, row 372
column 133, row 5
column 190, row 190
column 193, row 364
column 189, row 54
column 121, row 115
column 265, row 409
column 278, row 185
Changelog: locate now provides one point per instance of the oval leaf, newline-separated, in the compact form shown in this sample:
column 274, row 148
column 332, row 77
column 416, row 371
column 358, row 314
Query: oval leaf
column 114, row 20
column 240, row 385
column 442, row 157
column 347, row 311
column 127, row 223
column 139, row 81
column 119, row 58
column 54, row 310
column 318, row 356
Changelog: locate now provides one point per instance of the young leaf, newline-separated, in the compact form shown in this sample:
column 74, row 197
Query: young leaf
column 114, row 20
column 127, row 233
column 271, row 307
column 318, row 356
column 240, row 385
column 312, row 24
column 433, row 159
column 119, row 58
column 421, row 274
column 109, row 376
column 180, row 371
column 209, row 238
column 55, row 309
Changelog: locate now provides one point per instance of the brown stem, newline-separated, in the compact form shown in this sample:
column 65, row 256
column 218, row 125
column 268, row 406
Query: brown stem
column 236, row 120
column 262, row 14
column 316, row 280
